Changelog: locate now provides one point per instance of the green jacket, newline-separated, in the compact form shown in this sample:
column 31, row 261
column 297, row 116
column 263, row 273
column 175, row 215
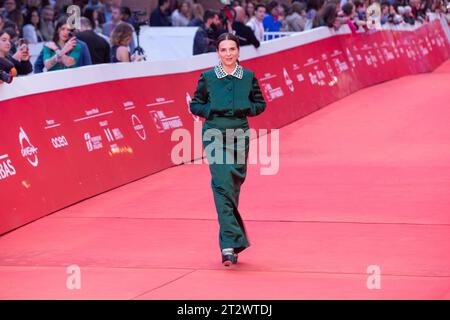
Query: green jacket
column 237, row 94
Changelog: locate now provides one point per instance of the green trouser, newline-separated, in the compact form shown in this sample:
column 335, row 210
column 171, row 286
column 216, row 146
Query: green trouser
column 227, row 177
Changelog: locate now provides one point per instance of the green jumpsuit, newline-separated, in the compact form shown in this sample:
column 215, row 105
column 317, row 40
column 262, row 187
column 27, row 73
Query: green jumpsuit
column 225, row 101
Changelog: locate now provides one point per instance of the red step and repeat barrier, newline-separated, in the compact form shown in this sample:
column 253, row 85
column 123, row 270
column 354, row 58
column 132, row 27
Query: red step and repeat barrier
column 61, row 146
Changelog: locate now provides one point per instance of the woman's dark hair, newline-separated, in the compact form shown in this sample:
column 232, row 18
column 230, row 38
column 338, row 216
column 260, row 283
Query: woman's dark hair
column 326, row 15
column 3, row 31
column 314, row 4
column 89, row 14
column 271, row 6
column 347, row 8
column 227, row 36
column 30, row 14
column 61, row 21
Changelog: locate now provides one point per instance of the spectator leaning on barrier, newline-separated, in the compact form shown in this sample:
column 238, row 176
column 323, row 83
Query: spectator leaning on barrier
column 31, row 30
column 160, row 17
column 65, row 51
column 21, row 59
column 243, row 32
column 350, row 17
column 120, row 40
column 204, row 39
column 98, row 47
column 256, row 22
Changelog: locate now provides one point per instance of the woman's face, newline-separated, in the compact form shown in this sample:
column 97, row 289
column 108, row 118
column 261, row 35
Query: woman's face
column 64, row 33
column 228, row 52
column 250, row 9
column 95, row 15
column 5, row 44
column 35, row 18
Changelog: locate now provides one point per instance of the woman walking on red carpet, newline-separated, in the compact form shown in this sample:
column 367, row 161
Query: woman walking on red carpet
column 225, row 96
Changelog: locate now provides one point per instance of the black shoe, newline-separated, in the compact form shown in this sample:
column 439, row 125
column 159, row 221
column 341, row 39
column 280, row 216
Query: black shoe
column 229, row 259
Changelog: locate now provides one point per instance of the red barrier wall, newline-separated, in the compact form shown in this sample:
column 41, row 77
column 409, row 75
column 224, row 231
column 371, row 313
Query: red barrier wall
column 62, row 146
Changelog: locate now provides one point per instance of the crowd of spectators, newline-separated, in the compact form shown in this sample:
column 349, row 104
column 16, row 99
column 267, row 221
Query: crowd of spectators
column 105, row 32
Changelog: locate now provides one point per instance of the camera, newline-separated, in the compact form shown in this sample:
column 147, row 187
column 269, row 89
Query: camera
column 139, row 19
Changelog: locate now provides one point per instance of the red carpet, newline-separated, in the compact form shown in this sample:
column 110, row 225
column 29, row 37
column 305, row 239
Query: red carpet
column 364, row 181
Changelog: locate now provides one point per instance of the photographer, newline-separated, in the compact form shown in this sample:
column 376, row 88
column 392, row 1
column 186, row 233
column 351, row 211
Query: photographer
column 65, row 51
column 21, row 59
column 205, row 39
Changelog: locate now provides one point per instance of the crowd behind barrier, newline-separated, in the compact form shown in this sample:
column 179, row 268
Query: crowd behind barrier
column 71, row 134
column 32, row 27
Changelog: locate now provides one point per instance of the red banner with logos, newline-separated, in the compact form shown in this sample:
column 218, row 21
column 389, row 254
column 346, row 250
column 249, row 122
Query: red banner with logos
column 62, row 146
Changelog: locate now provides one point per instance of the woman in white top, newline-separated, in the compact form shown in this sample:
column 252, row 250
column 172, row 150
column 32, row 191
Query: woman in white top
column 181, row 16
column 31, row 29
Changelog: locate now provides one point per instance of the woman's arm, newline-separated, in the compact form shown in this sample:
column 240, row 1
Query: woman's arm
column 122, row 54
column 50, row 59
column 200, row 106
column 257, row 99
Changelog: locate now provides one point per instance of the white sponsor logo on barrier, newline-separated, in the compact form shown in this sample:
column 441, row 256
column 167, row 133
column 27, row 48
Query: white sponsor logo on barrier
column 111, row 134
column 28, row 150
column 272, row 93
column 138, row 127
column 162, row 123
column 93, row 143
column 59, row 142
column 6, row 167
column 288, row 81
column 128, row 105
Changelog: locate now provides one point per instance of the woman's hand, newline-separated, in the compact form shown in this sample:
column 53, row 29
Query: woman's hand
column 22, row 53
column 68, row 61
column 135, row 57
column 70, row 44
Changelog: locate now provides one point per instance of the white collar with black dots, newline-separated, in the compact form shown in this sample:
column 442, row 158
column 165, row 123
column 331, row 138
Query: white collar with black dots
column 238, row 72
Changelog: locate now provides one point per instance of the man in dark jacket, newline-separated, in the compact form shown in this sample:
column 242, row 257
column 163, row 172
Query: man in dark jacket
column 160, row 16
column 98, row 47
column 204, row 39
column 244, row 33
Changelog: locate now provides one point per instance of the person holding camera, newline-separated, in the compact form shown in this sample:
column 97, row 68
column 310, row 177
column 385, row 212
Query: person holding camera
column 120, row 40
column 21, row 58
column 65, row 51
